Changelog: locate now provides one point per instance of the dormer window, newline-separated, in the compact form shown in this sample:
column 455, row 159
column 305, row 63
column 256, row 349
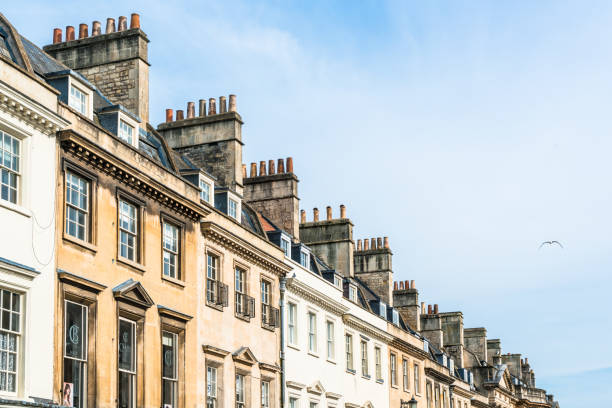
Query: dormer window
column 205, row 191
column 232, row 208
column 337, row 281
column 126, row 132
column 78, row 100
column 304, row 259
column 285, row 245
column 352, row 293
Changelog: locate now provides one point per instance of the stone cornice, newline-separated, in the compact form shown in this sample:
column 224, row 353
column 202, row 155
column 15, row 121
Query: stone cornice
column 27, row 110
column 409, row 348
column 107, row 163
column 242, row 247
column 367, row 328
column 438, row 375
column 462, row 392
column 314, row 296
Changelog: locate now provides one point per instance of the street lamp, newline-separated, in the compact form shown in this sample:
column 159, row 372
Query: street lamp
column 408, row 404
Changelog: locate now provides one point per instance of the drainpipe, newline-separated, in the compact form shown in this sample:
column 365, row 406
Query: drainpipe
column 283, row 287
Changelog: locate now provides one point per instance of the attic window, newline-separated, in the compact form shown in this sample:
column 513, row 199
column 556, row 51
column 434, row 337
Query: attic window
column 205, row 191
column 337, row 281
column 305, row 259
column 285, row 246
column 126, row 132
column 232, row 208
column 5, row 51
column 352, row 294
column 78, row 100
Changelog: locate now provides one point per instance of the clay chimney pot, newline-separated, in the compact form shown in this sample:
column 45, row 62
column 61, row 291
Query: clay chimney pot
column 302, row 216
column 96, row 28
column 289, row 164
column 386, row 242
column 253, row 169
column 212, row 106
column 379, row 242
column 122, row 23
column 232, row 103
column 262, row 168
column 281, row 166
column 271, row 169
column 134, row 21
column 358, row 245
column 315, row 213
column 429, row 309
column 366, row 244
column 342, row 211
column 422, row 307
column 401, row 285
column 190, row 110
column 329, row 213
column 222, row 104
column 110, row 25
column 202, row 107
column 436, row 308
column 83, row 30
column 395, row 286
column 169, row 114
column 69, row 33
column 57, row 35
column 412, row 285
column 244, row 172
column 373, row 243
column 180, row 115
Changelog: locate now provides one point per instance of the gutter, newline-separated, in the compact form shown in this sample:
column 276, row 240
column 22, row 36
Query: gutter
column 283, row 287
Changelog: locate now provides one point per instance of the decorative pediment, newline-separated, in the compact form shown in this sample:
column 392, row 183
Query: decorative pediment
column 295, row 385
column 316, row 388
column 134, row 293
column 215, row 351
column 332, row 395
column 245, row 356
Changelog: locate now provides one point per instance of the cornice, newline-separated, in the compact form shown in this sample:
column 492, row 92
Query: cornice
column 107, row 163
column 409, row 348
column 365, row 327
column 314, row 296
column 245, row 249
column 29, row 111
column 431, row 372
column 462, row 392
column 208, row 349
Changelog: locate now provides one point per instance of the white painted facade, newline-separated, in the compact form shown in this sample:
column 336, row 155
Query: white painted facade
column 315, row 379
column 28, row 114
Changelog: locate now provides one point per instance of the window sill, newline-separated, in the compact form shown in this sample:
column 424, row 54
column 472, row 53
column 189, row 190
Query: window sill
column 16, row 207
column 131, row 264
column 348, row 370
column 366, row 377
column 331, row 361
column 243, row 317
column 83, row 244
column 174, row 281
column 214, row 306
column 394, row 386
column 380, row 381
column 310, row 353
column 268, row 327
column 293, row 346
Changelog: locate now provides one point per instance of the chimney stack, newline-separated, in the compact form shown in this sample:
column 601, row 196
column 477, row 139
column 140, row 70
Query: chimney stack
column 212, row 106
column 289, row 164
column 262, row 168
column 329, row 213
column 222, row 104
column 82, row 31
column 122, row 23
column 315, row 212
column 281, row 166
column 232, row 103
column 110, row 25
column 342, row 211
column 190, row 110
column 69, row 33
column 179, row 115
column 169, row 114
column 96, row 28
column 134, row 21
column 202, row 108
column 302, row 216
column 253, row 169
column 57, row 35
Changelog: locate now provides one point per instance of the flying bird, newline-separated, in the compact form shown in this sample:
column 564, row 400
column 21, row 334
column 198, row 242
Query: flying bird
column 550, row 243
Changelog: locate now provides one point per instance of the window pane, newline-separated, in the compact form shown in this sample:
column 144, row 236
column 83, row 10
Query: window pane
column 169, row 355
column 126, row 390
column 126, row 345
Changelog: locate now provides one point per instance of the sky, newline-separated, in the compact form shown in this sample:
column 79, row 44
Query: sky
column 467, row 132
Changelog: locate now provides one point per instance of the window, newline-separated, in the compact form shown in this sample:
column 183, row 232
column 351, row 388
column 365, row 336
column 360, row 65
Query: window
column 127, row 363
column 269, row 314
column 211, row 387
column 128, row 231
column 126, row 132
column 428, row 395
column 240, row 403
column 265, row 394
column 314, row 404
column 417, row 385
column 293, row 402
column 352, row 293
column 10, row 148
column 169, row 371
column 444, row 399
column 240, row 287
column 285, row 246
column 205, row 191
column 378, row 358
column 364, row 359
column 212, row 265
column 405, row 374
column 78, row 100
column 291, row 322
column 77, row 206
column 337, row 281
column 232, row 208
column 10, row 337
column 349, row 352
column 393, row 364
column 75, row 353
column 437, row 396
column 331, row 352
column 312, row 332
column 171, row 250
column 305, row 259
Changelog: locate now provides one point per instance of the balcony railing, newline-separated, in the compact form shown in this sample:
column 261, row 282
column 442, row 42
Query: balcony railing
column 270, row 316
column 245, row 305
column 216, row 293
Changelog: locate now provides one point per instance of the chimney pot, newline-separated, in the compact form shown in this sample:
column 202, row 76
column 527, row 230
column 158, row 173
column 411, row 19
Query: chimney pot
column 253, row 169
column 122, row 23
column 212, row 106
column 57, row 35
column 232, row 103
column 179, row 115
column 342, row 211
column 359, row 245
column 315, row 212
column 401, row 285
column 202, row 107
column 222, row 104
column 386, row 242
column 110, row 25
column 303, row 216
column 289, row 164
column 436, row 308
column 526, row 360
column 281, row 166
column 366, row 244
column 244, row 173
column 395, row 286
column 83, row 30
column 271, row 169
column 373, row 243
column 412, row 284
column 262, row 168
column 96, row 28
column 69, row 33
column 379, row 242
column 329, row 213
column 422, row 307
column 429, row 309
column 190, row 110
column 135, row 20
column 169, row 114
column 406, row 284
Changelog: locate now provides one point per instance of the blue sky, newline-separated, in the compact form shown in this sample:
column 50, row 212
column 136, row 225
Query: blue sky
column 467, row 132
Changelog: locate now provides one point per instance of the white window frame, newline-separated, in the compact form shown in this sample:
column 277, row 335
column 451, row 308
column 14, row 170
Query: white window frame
column 84, row 358
column 69, row 206
column 286, row 246
column 174, row 379
column 365, row 366
column 171, row 250
column 78, row 99
column 17, row 335
column 417, row 384
column 331, row 339
column 132, row 373
column 312, row 332
column 265, row 394
column 236, row 200
column 349, row 352
column 352, row 293
column 393, row 369
column 292, row 326
column 126, row 131
column 206, row 190
column 128, row 231
column 305, row 259
column 405, row 374
column 9, row 168
column 211, row 387
column 240, row 391
column 378, row 363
